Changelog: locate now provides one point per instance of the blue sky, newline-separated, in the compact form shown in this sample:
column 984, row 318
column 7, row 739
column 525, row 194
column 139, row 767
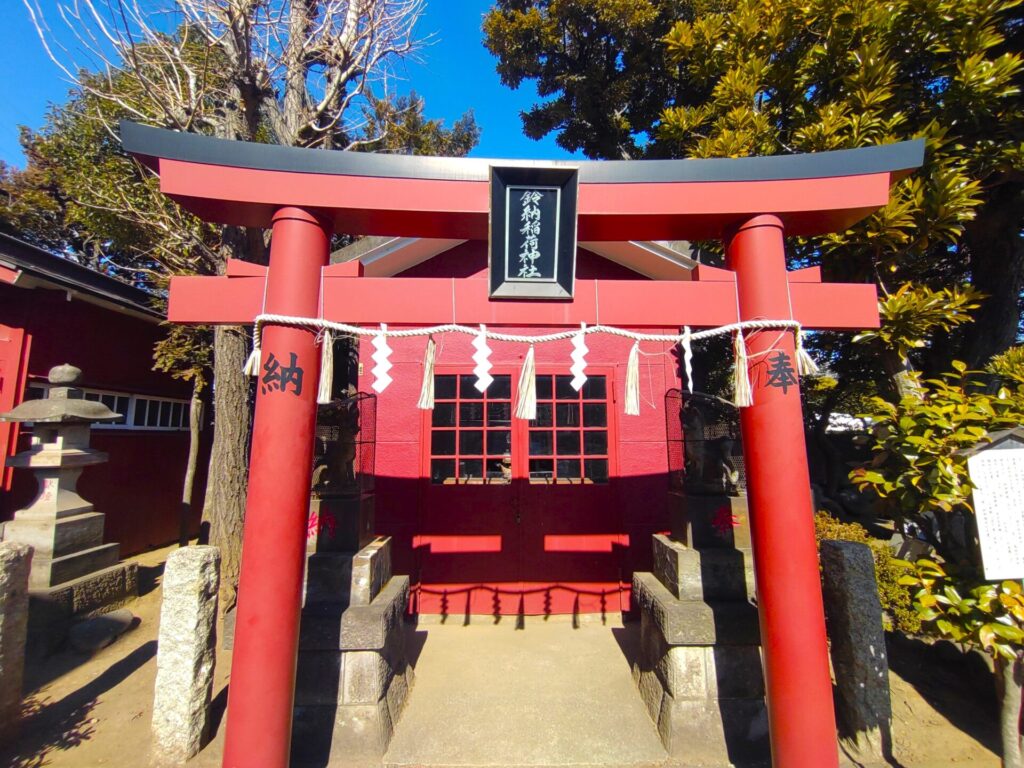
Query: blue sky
column 455, row 73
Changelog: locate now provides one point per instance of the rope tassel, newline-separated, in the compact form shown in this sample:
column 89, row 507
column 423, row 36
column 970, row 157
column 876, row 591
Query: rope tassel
column 252, row 364
column 526, row 404
column 742, row 394
column 805, row 364
column 688, row 358
column 323, row 393
column 633, row 381
column 426, row 401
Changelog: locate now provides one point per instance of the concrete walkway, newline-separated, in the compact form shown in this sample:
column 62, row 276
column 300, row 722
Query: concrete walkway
column 545, row 695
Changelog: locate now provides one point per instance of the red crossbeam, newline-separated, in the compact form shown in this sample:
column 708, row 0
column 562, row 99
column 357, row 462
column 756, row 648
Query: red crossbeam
column 430, row 301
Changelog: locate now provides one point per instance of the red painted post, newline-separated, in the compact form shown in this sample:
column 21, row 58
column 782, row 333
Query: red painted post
column 799, row 691
column 261, row 694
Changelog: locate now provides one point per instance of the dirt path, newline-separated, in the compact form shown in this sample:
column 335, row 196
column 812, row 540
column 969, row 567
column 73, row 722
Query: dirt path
column 87, row 711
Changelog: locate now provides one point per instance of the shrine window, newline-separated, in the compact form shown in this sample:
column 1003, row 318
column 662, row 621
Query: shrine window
column 568, row 441
column 471, row 432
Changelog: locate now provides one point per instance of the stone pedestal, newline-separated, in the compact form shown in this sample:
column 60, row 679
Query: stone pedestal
column 713, row 521
column 73, row 571
column 15, row 563
column 699, row 666
column 185, row 654
column 857, row 643
column 353, row 672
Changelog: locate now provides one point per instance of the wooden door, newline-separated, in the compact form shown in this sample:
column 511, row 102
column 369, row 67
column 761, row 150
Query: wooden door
column 519, row 517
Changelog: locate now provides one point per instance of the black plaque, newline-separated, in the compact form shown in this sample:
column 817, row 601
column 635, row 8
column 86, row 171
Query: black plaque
column 533, row 232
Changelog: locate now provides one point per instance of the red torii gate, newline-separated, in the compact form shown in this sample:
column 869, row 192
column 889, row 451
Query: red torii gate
column 304, row 195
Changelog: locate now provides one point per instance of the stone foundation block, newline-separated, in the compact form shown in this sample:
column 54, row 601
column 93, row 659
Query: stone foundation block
column 349, row 735
column 51, row 538
column 318, row 678
column 683, row 672
column 185, row 654
column 329, row 577
column 857, row 645
column 703, row 575
column 371, row 570
column 715, row 733
column 365, row 677
column 651, row 691
column 55, row 571
column 695, row 623
column 15, row 567
column 397, row 694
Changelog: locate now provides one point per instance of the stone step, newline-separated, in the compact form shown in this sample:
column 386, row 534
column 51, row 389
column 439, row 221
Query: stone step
column 335, row 626
column 56, row 538
column 682, row 622
column 51, row 572
column 708, row 575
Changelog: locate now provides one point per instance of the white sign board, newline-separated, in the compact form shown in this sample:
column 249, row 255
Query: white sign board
column 998, row 474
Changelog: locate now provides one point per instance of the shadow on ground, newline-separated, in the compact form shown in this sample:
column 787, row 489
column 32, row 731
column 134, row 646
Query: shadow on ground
column 50, row 726
column 955, row 684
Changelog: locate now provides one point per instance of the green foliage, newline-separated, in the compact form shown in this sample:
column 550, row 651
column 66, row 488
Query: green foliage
column 953, row 604
column 403, row 129
column 914, row 312
column 598, row 65
column 917, row 470
column 1009, row 366
column 186, row 352
column 895, row 597
column 733, row 78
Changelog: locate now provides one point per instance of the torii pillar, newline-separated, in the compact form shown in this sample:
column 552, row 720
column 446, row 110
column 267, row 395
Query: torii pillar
column 749, row 203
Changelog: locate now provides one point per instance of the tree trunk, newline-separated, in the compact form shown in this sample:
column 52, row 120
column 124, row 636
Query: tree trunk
column 900, row 372
column 996, row 255
column 1009, row 677
column 225, row 489
column 195, row 409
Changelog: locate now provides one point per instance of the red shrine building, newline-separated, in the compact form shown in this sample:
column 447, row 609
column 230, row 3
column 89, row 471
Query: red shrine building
column 494, row 514
column 54, row 311
column 516, row 489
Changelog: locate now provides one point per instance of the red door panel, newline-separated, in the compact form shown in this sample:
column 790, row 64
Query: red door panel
column 14, row 349
column 519, row 517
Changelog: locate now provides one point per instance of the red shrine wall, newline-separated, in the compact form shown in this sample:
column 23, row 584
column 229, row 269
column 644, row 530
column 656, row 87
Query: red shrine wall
column 139, row 488
column 533, row 548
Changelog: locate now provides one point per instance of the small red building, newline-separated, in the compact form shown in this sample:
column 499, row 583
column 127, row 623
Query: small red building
column 491, row 514
column 55, row 311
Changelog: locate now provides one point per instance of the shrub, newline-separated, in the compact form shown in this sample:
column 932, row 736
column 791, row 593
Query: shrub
column 896, row 601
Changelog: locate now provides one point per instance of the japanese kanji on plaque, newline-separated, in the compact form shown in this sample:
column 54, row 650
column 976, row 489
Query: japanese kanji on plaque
column 998, row 475
column 533, row 232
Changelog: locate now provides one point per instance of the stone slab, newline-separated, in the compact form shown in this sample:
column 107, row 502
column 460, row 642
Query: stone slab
column 53, row 538
column 547, row 694
column 359, row 627
column 857, row 646
column 371, row 570
column 329, row 577
column 695, row 623
column 185, row 654
column 699, row 521
column 15, row 566
column 92, row 634
column 349, row 735
column 707, row 575
column 52, row 572
column 715, row 733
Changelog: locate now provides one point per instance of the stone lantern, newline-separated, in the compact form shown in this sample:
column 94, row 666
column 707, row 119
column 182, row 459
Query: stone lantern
column 71, row 566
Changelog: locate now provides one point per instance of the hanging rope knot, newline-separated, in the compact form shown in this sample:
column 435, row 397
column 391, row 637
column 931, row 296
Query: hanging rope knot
column 526, row 404
column 324, row 391
column 742, row 393
column 633, row 381
column 426, row 401
column 805, row 364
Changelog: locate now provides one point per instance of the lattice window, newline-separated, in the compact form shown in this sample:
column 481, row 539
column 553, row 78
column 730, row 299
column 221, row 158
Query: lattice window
column 568, row 441
column 471, row 433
